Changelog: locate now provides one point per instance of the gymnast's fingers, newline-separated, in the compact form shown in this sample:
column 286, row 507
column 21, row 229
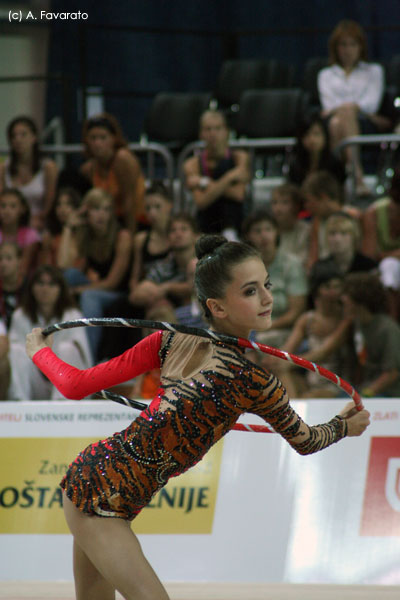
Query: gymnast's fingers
column 36, row 341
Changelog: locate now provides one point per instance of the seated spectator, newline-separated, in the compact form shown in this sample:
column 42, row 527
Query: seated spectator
column 152, row 245
column 67, row 201
column 11, row 284
column 191, row 314
column 167, row 281
column 217, row 178
column 28, row 171
column 112, row 167
column 14, row 219
column 351, row 92
column 376, row 336
column 4, row 362
column 294, row 233
column 46, row 301
column 343, row 241
column 320, row 334
column 324, row 197
column 381, row 241
column 287, row 275
column 313, row 151
column 96, row 258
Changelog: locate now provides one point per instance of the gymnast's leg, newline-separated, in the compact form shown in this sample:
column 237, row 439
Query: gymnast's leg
column 89, row 583
column 114, row 552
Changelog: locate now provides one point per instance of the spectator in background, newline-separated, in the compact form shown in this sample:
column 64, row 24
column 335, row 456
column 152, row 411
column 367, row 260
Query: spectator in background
column 287, row 275
column 46, row 300
column 321, row 335
column 313, row 151
column 4, row 362
column 66, row 203
column 167, row 283
column 217, row 178
column 11, row 285
column 376, row 336
column 28, row 171
column 324, row 197
column 294, row 233
column 14, row 220
column 95, row 253
column 381, row 241
column 351, row 92
column 343, row 241
column 112, row 167
column 153, row 244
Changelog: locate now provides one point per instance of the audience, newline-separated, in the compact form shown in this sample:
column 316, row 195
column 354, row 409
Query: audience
column 294, row 233
column 14, row 227
column 376, row 336
column 95, row 253
column 11, row 285
column 5, row 371
column 111, row 166
column 217, row 178
column 351, row 92
column 46, row 300
column 28, row 171
column 313, row 151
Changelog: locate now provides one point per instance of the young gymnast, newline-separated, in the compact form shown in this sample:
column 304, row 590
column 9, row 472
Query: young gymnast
column 205, row 386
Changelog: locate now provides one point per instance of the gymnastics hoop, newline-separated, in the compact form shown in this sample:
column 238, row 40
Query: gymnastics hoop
column 206, row 333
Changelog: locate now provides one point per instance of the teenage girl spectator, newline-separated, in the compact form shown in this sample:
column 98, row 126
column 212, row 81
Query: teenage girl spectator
column 96, row 256
column 294, row 233
column 376, row 336
column 287, row 275
column 381, row 240
column 153, row 244
column 320, row 334
column 217, row 178
column 14, row 220
column 4, row 362
column 28, row 171
column 313, row 151
column 46, row 301
column 112, row 167
column 11, row 285
column 351, row 92
column 324, row 197
column 343, row 242
column 66, row 203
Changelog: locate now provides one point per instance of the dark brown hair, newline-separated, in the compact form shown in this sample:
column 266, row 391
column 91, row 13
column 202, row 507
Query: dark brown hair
column 323, row 183
column 367, row 290
column 36, row 154
column 63, row 302
column 213, row 273
column 109, row 123
column 26, row 215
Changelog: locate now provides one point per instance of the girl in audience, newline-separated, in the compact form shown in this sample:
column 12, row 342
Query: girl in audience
column 95, row 252
column 112, row 167
column 313, row 152
column 11, row 286
column 294, row 233
column 66, row 203
column 14, row 219
column 46, row 300
column 28, row 171
column 4, row 362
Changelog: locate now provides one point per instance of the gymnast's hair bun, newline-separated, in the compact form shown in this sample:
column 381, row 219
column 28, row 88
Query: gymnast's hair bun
column 206, row 245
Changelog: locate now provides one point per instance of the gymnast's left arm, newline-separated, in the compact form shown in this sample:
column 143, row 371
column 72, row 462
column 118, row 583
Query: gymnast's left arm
column 76, row 383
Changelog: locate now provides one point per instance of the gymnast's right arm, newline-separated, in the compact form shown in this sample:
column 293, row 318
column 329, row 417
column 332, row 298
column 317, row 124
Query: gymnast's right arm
column 75, row 383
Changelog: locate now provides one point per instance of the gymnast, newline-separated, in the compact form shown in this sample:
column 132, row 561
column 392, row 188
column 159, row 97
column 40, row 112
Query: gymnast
column 205, row 386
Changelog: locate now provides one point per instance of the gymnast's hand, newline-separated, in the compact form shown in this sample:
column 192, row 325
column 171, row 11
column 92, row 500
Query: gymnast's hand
column 357, row 420
column 36, row 341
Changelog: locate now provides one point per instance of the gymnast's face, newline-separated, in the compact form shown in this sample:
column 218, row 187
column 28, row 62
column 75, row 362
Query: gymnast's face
column 247, row 303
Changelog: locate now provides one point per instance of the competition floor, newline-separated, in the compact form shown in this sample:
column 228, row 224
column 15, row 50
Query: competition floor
column 217, row 591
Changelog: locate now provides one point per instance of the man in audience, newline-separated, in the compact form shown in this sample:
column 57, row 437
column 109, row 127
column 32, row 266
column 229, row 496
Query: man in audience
column 167, row 281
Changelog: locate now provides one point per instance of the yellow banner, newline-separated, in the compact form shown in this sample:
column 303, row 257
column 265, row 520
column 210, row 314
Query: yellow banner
column 31, row 499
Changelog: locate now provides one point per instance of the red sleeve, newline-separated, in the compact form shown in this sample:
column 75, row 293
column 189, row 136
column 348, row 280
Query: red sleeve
column 77, row 384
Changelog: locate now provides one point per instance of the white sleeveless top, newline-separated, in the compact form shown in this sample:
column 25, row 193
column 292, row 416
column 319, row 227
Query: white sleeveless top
column 33, row 191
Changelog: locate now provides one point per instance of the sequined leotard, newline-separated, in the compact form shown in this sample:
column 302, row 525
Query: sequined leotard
column 205, row 386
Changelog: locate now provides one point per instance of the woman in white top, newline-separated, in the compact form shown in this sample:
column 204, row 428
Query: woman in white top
column 26, row 170
column 47, row 300
column 351, row 92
